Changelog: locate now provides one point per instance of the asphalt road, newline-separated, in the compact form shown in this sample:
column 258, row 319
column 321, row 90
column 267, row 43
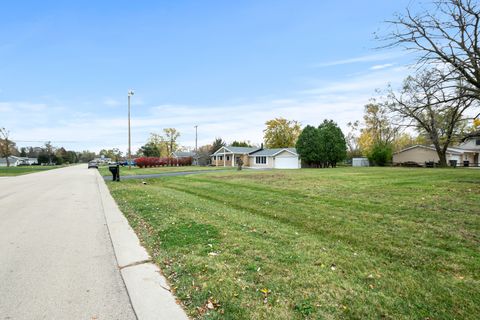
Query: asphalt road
column 56, row 256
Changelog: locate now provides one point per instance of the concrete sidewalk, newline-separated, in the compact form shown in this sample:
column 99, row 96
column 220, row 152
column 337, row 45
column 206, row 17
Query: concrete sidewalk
column 56, row 256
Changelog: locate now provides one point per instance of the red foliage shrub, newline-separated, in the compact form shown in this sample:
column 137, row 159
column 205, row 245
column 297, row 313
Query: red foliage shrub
column 150, row 162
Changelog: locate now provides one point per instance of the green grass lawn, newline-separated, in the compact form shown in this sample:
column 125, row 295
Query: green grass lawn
column 346, row 243
column 16, row 171
column 137, row 171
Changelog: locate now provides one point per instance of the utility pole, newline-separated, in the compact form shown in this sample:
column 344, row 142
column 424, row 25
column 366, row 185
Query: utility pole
column 196, row 141
column 130, row 93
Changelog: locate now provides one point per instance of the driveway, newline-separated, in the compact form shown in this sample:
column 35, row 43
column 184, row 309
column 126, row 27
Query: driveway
column 56, row 256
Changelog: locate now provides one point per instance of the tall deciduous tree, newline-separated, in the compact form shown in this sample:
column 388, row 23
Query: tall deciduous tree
column 447, row 36
column 84, row 156
column 281, row 133
column 114, row 154
column 6, row 145
column 156, row 146
column 49, row 150
column 378, row 123
column 171, row 136
column 428, row 103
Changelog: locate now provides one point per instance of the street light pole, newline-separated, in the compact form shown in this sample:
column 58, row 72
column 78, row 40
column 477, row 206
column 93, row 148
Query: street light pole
column 196, row 150
column 130, row 93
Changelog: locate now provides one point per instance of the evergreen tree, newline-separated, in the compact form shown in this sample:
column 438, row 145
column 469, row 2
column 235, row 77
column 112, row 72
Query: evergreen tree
column 217, row 144
column 308, row 146
column 323, row 146
column 333, row 147
column 150, row 150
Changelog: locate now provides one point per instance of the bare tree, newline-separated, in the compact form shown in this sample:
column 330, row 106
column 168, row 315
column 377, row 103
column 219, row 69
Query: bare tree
column 428, row 103
column 5, row 145
column 352, row 139
column 448, row 36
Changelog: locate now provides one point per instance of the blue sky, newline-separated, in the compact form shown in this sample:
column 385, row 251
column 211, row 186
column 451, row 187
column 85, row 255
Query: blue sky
column 228, row 66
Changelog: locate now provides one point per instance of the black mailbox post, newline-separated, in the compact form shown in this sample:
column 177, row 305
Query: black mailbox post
column 115, row 170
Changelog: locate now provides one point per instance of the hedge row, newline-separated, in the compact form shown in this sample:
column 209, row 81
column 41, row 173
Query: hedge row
column 149, row 162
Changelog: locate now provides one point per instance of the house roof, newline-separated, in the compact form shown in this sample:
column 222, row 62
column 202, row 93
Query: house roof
column 449, row 150
column 10, row 159
column 181, row 154
column 475, row 134
column 242, row 150
column 273, row 152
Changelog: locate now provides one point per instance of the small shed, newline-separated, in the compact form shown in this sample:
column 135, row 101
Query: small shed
column 360, row 162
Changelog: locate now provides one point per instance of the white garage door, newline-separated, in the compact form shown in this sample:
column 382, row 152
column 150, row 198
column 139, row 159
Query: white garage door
column 286, row 163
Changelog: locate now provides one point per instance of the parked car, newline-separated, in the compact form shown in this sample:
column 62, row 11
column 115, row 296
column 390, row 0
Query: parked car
column 125, row 163
column 92, row 164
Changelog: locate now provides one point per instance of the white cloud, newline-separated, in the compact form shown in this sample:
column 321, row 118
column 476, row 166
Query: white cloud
column 367, row 58
column 382, row 66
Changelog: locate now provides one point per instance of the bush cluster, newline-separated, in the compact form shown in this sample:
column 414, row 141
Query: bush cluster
column 150, row 162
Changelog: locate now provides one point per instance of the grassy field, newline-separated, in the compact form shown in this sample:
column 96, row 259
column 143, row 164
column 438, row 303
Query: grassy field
column 16, row 171
column 367, row 243
column 137, row 171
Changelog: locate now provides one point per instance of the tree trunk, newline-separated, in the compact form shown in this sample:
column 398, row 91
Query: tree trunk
column 443, row 158
column 8, row 161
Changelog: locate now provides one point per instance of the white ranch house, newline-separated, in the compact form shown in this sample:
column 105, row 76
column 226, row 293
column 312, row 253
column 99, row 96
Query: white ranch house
column 281, row 158
column 15, row 161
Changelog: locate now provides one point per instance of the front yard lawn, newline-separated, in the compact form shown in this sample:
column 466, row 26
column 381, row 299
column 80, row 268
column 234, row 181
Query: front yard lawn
column 139, row 171
column 366, row 243
column 16, row 171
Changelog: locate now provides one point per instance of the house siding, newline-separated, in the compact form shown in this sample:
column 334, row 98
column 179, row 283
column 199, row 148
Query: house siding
column 421, row 155
column 269, row 163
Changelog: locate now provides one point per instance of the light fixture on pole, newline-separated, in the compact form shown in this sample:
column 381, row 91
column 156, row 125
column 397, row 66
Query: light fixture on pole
column 130, row 93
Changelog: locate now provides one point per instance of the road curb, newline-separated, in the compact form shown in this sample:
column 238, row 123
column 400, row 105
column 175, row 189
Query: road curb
column 148, row 290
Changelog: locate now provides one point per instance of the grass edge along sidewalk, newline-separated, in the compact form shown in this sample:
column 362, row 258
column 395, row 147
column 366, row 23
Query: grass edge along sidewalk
column 330, row 243
column 21, row 170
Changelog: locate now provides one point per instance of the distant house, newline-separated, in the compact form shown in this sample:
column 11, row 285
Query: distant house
column 29, row 161
column 280, row 158
column 182, row 154
column 18, row 161
column 102, row 160
column 466, row 153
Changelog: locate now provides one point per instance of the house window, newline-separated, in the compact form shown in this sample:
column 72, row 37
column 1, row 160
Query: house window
column 261, row 160
column 477, row 142
column 221, row 158
column 228, row 158
column 214, row 157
